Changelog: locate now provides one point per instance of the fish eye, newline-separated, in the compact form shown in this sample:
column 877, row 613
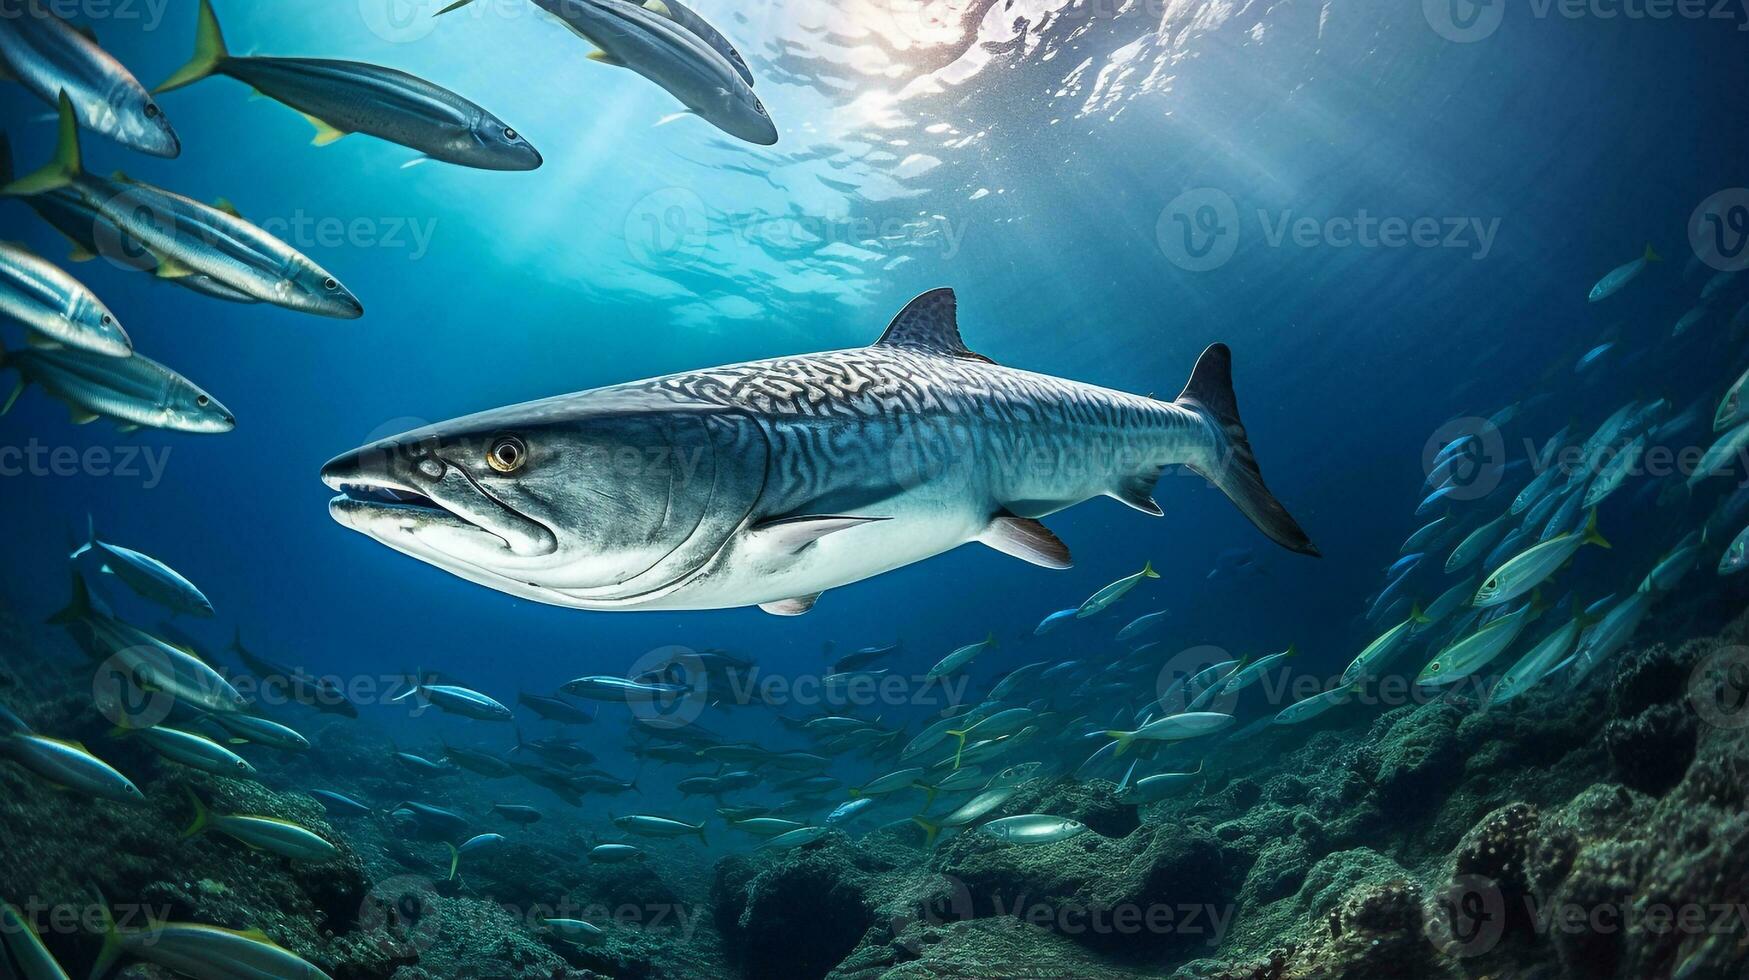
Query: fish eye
column 330, row 284
column 759, row 107
column 151, row 111
column 106, row 319
column 202, row 400
column 1434, row 666
column 510, row 134
column 507, row 454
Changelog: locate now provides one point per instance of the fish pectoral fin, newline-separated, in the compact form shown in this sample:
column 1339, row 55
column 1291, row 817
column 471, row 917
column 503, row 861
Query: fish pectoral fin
column 1028, row 540
column 81, row 254
column 602, row 57
column 83, row 416
column 325, row 133
column 169, row 268
column 789, row 535
column 791, row 607
column 1138, row 492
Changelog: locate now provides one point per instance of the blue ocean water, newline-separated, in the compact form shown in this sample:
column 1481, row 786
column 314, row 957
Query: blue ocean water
column 1049, row 172
column 1582, row 139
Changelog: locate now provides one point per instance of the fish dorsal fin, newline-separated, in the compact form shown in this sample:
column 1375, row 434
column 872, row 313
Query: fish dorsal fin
column 930, row 323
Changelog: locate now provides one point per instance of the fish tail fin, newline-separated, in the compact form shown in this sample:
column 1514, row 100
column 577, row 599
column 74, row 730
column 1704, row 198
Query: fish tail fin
column 78, row 607
column 1231, row 465
column 17, row 388
column 90, row 537
column 60, row 171
column 455, row 859
column 1592, row 535
column 202, row 817
column 1148, row 570
column 111, row 949
column 1123, row 741
column 930, row 832
column 702, row 839
column 990, row 639
column 958, row 751
column 1652, row 254
column 1416, row 615
column 413, row 688
column 209, row 51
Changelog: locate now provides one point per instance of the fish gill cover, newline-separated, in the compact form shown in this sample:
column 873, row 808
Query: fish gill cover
column 486, row 484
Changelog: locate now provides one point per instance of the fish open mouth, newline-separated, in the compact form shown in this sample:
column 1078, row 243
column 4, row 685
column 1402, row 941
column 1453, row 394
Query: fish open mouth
column 365, row 493
column 453, row 514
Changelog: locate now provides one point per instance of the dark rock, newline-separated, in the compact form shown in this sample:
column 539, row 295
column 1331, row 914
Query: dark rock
column 801, row 912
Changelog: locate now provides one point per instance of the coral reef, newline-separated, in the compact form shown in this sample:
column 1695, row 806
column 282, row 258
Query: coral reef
column 1598, row 833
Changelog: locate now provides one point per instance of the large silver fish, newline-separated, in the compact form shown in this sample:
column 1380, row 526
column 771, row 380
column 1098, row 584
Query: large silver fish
column 769, row 482
column 49, row 57
column 341, row 97
column 676, row 49
column 190, row 238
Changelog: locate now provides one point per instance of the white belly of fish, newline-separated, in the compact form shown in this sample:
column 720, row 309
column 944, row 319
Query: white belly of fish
column 749, row 573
